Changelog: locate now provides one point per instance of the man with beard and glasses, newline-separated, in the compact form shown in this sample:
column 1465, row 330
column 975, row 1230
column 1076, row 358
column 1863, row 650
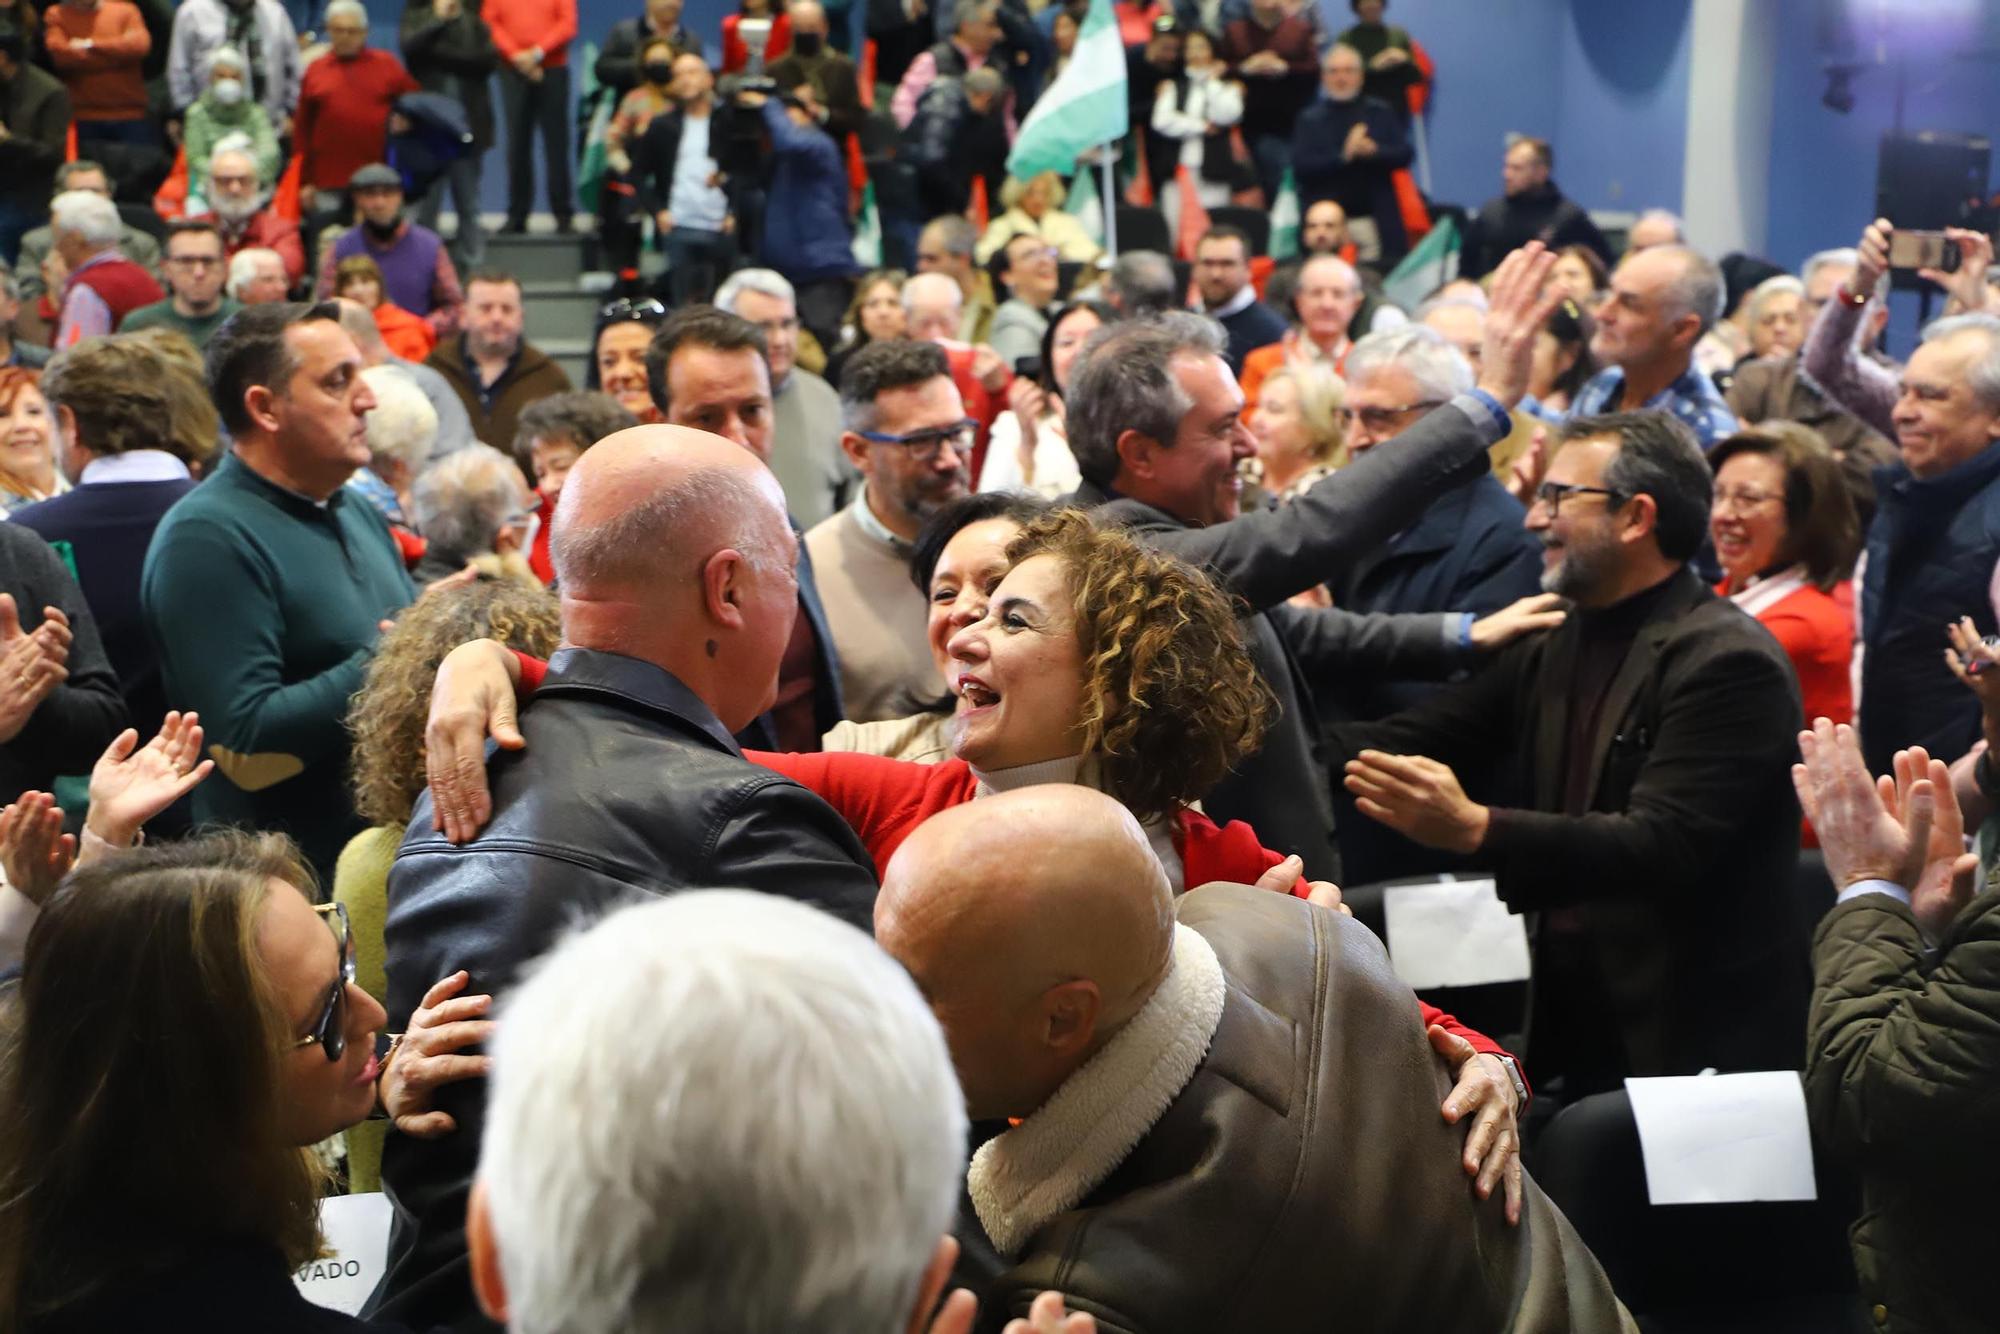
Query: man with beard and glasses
column 907, row 433
column 1648, row 743
column 496, row 372
column 239, row 206
column 417, row 272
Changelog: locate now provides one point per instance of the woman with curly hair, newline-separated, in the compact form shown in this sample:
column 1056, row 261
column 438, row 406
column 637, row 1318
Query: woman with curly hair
column 386, row 718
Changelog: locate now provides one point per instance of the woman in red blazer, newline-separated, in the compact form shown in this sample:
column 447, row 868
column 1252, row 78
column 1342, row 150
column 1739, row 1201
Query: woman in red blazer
column 736, row 52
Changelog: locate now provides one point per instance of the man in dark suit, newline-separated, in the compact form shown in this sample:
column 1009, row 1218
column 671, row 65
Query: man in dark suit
column 1530, row 208
column 1222, row 276
column 1347, row 148
column 1169, row 472
column 1648, row 747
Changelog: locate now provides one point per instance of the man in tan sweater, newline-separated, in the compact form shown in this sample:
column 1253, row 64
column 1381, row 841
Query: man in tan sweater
column 906, row 431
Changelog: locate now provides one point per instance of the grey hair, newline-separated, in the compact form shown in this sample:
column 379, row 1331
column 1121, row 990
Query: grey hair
column 1762, row 294
column 91, row 216
column 1124, row 381
column 1141, row 282
column 361, row 327
column 917, row 280
column 1667, row 216
column 666, row 535
column 987, row 10
column 985, row 80
column 954, row 232
column 402, row 426
column 768, row 282
column 243, row 268
column 10, row 286
column 69, row 170
column 1846, row 257
column 461, row 502
column 1699, row 289
column 1440, row 370
column 345, row 9
column 639, row 1171
column 1984, row 376
column 228, row 55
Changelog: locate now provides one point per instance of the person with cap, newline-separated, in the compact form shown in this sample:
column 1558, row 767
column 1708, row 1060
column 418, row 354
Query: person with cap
column 417, row 272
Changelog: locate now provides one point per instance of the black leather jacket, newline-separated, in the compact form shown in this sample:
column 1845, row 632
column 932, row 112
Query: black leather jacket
column 629, row 786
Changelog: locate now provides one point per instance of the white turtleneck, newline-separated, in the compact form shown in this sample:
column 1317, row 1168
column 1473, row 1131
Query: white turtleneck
column 1070, row 769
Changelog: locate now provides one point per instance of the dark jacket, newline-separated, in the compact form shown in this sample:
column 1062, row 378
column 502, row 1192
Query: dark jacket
column 1267, row 556
column 222, row 1288
column 494, row 415
column 828, row 708
column 833, row 82
column 808, row 240
column 1776, row 388
column 1931, row 554
column 1364, row 187
column 34, row 106
column 77, row 720
column 617, row 65
column 1312, row 1116
column 1254, row 326
column 454, row 57
column 1900, row 1063
column 949, row 145
column 733, row 141
column 628, row 787
column 1681, row 871
column 1508, row 222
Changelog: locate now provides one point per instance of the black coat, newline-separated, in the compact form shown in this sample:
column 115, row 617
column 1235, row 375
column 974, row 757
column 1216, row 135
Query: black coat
column 1365, row 187
column 834, row 83
column 735, row 141
column 72, row 726
column 220, row 1288
column 628, row 787
column 454, row 57
column 1682, row 869
column 617, row 65
column 1267, row 556
column 34, row 105
column 1508, row 222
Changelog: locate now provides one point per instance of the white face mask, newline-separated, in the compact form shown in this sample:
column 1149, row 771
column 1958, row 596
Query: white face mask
column 228, row 91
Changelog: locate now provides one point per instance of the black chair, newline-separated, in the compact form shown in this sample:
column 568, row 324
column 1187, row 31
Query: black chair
column 1143, row 229
column 1254, row 223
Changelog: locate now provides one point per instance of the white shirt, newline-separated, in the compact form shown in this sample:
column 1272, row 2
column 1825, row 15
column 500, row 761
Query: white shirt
column 135, row 465
column 693, row 201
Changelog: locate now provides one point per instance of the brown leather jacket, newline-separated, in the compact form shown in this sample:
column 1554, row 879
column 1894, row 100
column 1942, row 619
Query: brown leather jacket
column 1304, row 1178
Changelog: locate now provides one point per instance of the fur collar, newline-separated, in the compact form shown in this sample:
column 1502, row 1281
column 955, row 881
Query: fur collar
column 1051, row 1161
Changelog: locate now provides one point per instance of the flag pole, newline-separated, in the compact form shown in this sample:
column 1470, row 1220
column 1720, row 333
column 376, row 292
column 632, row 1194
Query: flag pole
column 1108, row 159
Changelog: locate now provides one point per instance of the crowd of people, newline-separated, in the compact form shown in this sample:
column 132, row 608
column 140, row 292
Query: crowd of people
column 874, row 812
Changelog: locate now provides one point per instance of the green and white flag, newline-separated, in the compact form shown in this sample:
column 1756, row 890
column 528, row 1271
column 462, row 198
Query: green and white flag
column 1285, row 219
column 868, row 232
column 1083, row 108
column 1085, row 205
column 1432, row 264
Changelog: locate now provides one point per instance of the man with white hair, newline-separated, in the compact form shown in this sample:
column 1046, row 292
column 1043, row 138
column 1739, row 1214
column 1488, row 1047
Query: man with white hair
column 470, row 507
column 104, row 286
column 239, row 204
column 1661, row 301
column 675, row 563
column 1654, row 227
column 36, row 247
column 805, row 411
column 401, row 427
column 718, row 1018
column 257, row 277
column 454, row 427
column 345, row 100
column 932, row 306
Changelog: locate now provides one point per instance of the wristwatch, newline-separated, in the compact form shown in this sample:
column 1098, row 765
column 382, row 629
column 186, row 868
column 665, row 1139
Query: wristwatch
column 1847, row 297
column 1520, row 1084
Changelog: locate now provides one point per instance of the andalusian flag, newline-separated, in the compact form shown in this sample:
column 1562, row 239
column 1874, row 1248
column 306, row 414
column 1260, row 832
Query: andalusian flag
column 1083, row 108
column 1087, row 206
column 1285, row 219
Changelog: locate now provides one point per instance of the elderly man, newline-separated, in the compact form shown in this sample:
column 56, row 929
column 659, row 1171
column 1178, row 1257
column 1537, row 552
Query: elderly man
column 264, row 586
column 710, row 370
column 817, row 1015
column 345, row 100
column 805, row 411
column 1274, row 50
column 1141, row 282
column 35, row 108
column 1222, row 277
column 908, row 435
column 1155, row 422
column 417, row 272
column 473, row 506
column 104, row 286
column 87, row 176
column 970, row 48
column 454, row 427
column 1905, row 1029
column 1528, row 208
column 1030, row 274
column 239, row 205
column 261, row 28
column 257, row 278
column 1654, row 227
column 1647, row 743
column 1329, row 297
column 1346, row 147
column 946, row 246
column 495, row 371
column 675, row 561
column 932, row 310
column 196, row 268
column 1158, row 1127
column 1661, row 301
column 813, row 63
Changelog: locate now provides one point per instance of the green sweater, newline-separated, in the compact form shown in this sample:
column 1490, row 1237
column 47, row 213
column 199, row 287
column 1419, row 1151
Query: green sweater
column 208, row 123
column 265, row 606
column 162, row 315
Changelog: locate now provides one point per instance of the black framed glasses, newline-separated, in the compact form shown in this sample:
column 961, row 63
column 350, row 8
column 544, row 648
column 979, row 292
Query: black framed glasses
column 926, row 445
column 1552, row 494
column 646, row 309
column 330, row 1029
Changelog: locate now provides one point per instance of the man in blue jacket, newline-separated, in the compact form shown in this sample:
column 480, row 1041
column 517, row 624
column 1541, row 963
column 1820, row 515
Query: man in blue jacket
column 1347, row 148
column 808, row 237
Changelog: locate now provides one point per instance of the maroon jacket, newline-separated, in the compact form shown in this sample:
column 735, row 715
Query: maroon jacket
column 265, row 230
column 123, row 285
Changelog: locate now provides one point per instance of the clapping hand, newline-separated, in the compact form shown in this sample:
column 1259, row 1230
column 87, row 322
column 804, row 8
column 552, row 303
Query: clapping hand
column 34, row 851
column 131, row 783
column 1358, row 144
column 31, row 665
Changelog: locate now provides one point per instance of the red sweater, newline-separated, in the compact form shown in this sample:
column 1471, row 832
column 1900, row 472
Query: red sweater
column 104, row 78
column 885, row 800
column 343, row 119
column 524, row 25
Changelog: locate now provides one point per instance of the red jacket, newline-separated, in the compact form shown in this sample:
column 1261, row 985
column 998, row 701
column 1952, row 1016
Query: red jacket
column 736, row 52
column 265, row 230
column 343, row 119
column 524, row 25
column 885, row 800
column 123, row 285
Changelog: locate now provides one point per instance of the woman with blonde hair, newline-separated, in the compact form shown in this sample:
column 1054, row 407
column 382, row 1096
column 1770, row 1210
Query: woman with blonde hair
column 1296, row 422
column 1035, row 208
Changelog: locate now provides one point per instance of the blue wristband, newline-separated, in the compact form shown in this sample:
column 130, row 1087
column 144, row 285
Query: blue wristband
column 1503, row 421
column 1465, row 619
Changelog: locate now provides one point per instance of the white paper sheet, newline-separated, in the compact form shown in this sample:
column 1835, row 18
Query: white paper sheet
column 1455, row 933
column 357, row 1230
column 1724, row 1139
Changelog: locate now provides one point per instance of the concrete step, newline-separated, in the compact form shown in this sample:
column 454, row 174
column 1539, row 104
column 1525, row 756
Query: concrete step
column 557, row 312
column 572, row 354
column 535, row 258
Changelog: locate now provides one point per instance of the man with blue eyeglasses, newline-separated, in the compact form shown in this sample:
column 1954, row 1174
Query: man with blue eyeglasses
column 907, row 433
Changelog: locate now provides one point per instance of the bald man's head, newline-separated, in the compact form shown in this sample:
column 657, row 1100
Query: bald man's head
column 932, row 304
column 1036, row 923
column 672, row 545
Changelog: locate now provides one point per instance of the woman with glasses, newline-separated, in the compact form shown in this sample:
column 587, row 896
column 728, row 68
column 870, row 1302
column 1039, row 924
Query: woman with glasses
column 185, row 1029
column 618, row 354
column 1786, row 537
column 1029, row 449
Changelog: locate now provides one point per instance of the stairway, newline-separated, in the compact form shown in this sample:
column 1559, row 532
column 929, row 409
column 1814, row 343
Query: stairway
column 559, row 293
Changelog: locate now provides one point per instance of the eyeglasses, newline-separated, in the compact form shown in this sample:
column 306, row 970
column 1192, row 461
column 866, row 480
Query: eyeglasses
column 528, row 521
column 1381, row 419
column 1742, row 498
column 626, row 309
column 196, row 261
column 1552, row 494
column 925, row 446
column 330, row 1030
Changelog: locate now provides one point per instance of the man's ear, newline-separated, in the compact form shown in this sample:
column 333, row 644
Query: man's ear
column 262, row 406
column 1642, row 518
column 487, row 1284
column 930, row 1288
column 1137, row 453
column 1687, row 330
column 1071, row 1011
column 856, row 449
column 722, row 579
